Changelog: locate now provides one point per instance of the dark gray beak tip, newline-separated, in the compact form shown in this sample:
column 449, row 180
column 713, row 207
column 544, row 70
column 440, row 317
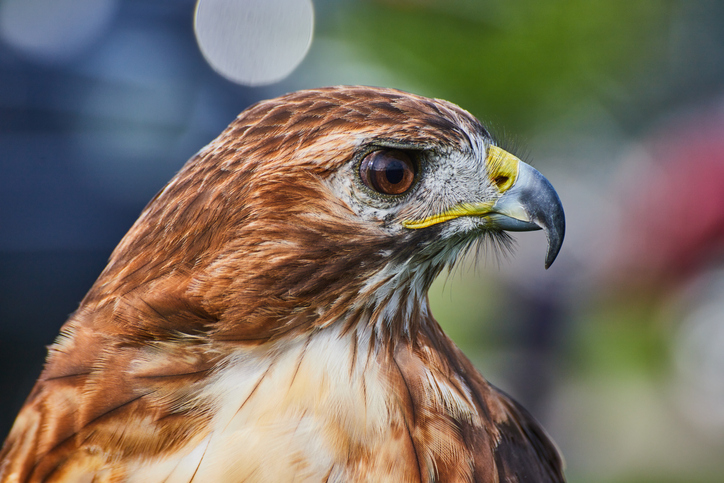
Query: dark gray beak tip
column 553, row 221
column 546, row 211
column 555, row 241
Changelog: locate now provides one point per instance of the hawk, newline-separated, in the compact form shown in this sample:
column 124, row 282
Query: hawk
column 266, row 318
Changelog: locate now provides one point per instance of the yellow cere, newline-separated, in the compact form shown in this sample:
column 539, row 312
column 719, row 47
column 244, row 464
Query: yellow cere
column 502, row 169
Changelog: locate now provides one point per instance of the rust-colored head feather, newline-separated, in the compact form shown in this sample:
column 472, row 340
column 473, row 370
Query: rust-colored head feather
column 266, row 318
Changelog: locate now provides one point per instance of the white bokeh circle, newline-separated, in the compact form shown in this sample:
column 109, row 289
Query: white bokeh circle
column 254, row 42
column 54, row 30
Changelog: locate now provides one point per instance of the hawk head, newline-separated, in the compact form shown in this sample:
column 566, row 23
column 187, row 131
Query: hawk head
column 327, row 202
column 267, row 318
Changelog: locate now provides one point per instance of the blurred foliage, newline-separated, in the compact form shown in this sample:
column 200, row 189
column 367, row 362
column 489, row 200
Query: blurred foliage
column 592, row 78
column 469, row 307
column 516, row 64
column 620, row 340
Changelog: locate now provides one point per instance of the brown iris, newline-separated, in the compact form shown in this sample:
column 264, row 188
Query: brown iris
column 388, row 171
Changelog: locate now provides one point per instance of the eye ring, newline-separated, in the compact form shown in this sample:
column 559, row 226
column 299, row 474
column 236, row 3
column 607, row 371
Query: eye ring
column 388, row 171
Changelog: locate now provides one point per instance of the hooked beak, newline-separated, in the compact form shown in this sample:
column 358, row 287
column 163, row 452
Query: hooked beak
column 532, row 204
column 527, row 202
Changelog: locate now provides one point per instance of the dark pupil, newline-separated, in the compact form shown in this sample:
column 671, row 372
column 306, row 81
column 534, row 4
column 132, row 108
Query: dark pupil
column 395, row 171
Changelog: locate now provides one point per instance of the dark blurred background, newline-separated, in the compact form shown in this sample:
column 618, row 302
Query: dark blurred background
column 618, row 348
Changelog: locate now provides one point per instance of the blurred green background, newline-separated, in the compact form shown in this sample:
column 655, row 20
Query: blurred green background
column 618, row 348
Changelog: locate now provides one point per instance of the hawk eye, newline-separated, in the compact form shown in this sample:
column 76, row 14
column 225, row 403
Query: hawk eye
column 387, row 171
